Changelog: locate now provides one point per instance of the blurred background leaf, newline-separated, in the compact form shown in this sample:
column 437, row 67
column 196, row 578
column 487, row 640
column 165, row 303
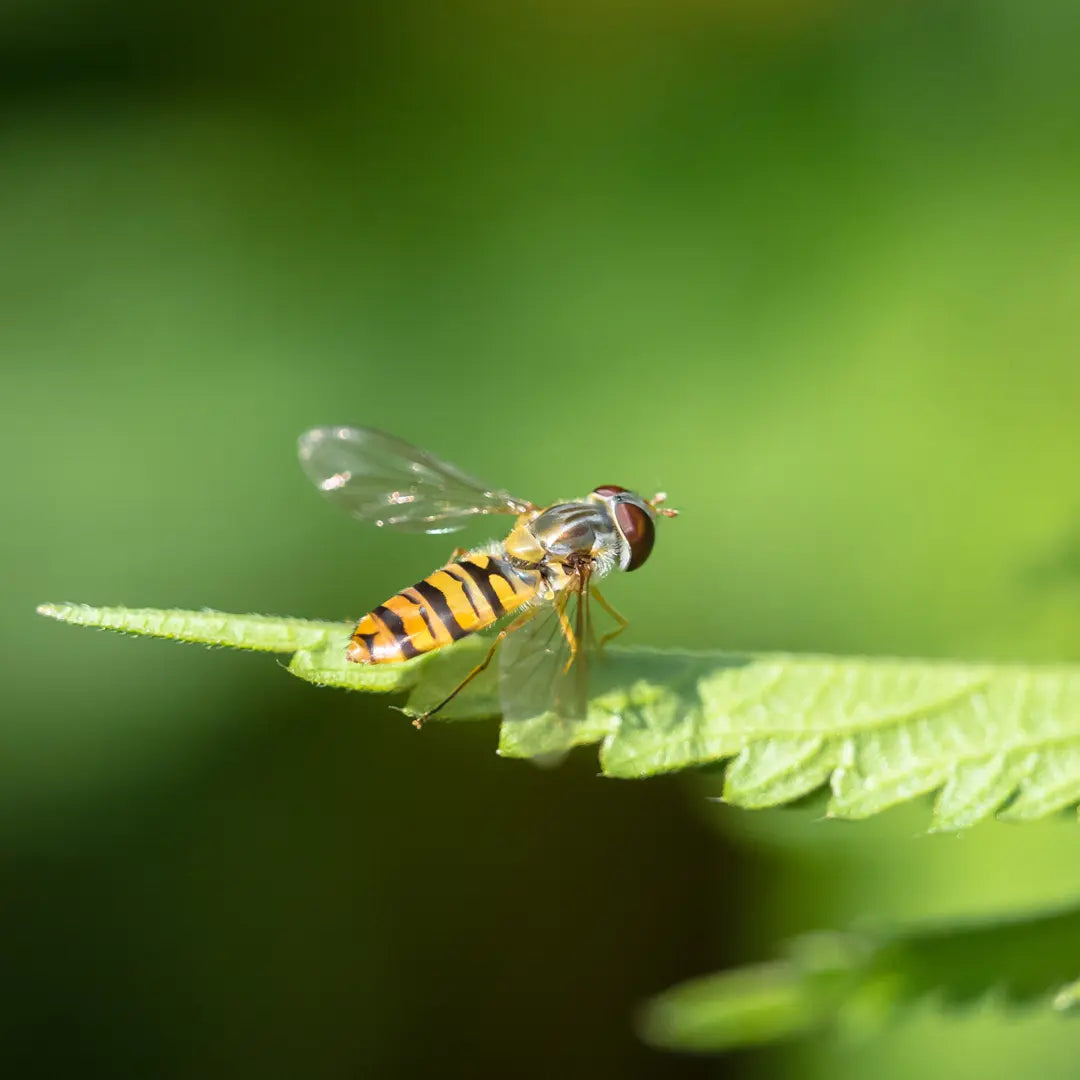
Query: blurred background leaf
column 859, row 981
column 809, row 266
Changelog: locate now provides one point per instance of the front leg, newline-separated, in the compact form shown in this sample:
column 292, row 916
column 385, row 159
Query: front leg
column 623, row 623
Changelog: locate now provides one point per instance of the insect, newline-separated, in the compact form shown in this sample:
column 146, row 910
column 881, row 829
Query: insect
column 540, row 578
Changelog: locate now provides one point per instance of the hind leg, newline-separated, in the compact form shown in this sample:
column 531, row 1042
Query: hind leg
column 418, row 721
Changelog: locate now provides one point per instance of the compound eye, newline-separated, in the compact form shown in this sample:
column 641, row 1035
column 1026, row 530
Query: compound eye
column 638, row 528
column 607, row 490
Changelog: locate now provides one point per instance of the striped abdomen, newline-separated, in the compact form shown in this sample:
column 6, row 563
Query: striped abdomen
column 461, row 598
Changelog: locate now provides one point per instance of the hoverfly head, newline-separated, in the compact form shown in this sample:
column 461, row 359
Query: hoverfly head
column 634, row 519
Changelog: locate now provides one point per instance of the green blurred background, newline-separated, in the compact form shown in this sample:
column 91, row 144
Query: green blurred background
column 811, row 266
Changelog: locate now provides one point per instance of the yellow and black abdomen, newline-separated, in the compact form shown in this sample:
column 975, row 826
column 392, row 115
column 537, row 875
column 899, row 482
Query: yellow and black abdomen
column 464, row 596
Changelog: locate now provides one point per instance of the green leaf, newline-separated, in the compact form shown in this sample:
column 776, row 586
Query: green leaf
column 859, row 980
column 988, row 738
column 318, row 648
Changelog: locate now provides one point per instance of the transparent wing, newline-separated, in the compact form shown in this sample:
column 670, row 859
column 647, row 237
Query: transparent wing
column 536, row 675
column 384, row 480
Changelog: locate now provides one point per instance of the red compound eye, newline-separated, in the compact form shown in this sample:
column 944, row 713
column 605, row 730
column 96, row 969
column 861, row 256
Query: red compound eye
column 607, row 490
column 637, row 526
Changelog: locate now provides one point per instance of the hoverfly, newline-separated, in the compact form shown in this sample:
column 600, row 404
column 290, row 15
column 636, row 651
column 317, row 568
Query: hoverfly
column 551, row 558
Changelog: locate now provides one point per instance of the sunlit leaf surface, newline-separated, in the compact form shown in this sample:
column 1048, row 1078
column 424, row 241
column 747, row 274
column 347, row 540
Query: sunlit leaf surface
column 989, row 739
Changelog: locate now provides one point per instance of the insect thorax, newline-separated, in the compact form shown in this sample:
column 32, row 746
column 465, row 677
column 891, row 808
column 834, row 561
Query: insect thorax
column 566, row 531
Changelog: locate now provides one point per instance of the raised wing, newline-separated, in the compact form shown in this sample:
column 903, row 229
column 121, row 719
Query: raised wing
column 384, row 480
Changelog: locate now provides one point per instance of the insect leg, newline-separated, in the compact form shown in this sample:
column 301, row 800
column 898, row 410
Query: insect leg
column 623, row 622
column 456, row 554
column 418, row 722
column 568, row 632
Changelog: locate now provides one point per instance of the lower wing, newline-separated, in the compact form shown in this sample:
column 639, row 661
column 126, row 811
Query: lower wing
column 544, row 664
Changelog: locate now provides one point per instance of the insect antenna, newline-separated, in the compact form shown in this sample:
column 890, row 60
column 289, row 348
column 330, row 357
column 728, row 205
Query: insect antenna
column 656, row 500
